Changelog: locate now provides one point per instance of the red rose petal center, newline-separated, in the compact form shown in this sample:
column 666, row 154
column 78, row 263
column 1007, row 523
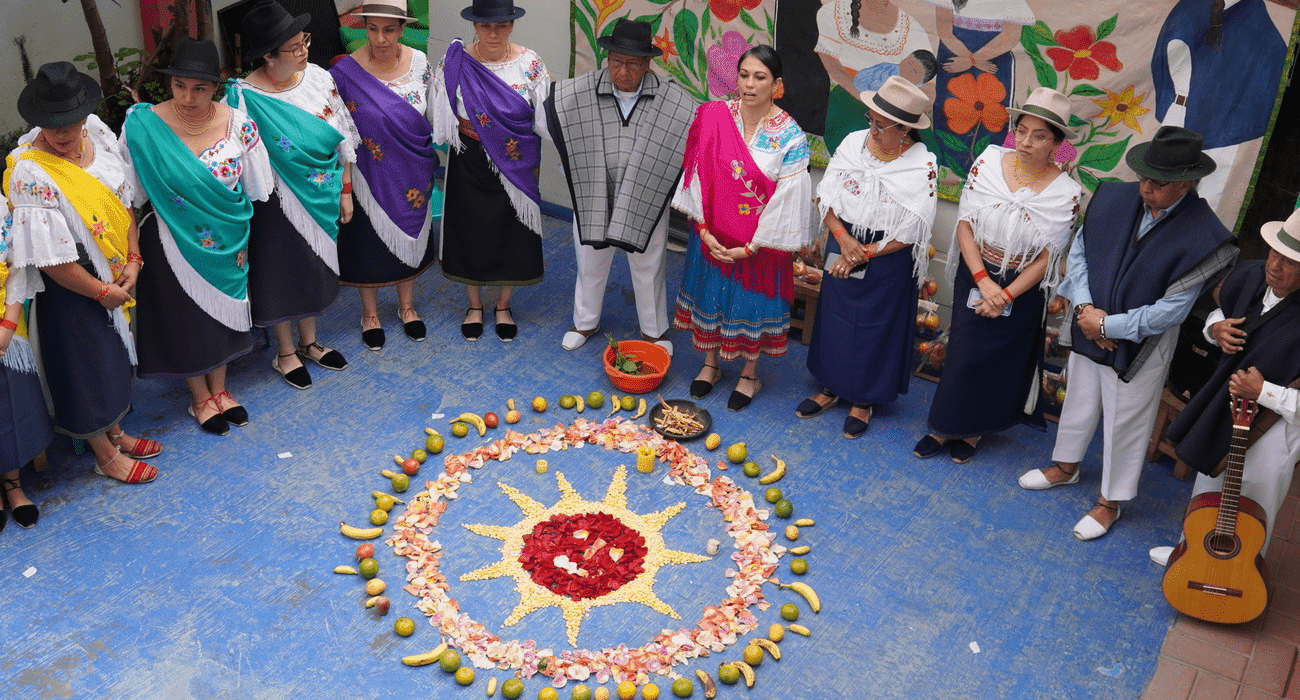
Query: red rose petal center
column 584, row 555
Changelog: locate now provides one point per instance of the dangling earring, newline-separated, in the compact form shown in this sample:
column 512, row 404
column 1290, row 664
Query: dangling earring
column 780, row 92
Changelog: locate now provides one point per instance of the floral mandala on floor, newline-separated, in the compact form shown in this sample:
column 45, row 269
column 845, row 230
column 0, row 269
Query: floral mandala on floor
column 579, row 554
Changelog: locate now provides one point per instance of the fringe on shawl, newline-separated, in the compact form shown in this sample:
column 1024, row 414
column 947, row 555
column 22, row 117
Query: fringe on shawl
column 325, row 247
column 409, row 250
column 892, row 218
column 235, row 314
column 1023, row 243
column 19, row 356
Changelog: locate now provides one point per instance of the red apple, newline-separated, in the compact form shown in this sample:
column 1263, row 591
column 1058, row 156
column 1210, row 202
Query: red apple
column 365, row 550
column 411, row 466
column 490, row 419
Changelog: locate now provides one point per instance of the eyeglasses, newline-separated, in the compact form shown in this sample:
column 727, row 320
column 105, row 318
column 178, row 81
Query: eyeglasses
column 634, row 64
column 877, row 128
column 301, row 46
column 1153, row 183
column 1031, row 138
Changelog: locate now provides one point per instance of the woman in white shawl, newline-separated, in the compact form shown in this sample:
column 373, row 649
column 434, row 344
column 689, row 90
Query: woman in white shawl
column 878, row 200
column 1017, row 211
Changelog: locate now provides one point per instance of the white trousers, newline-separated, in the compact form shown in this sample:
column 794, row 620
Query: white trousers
column 1266, row 476
column 647, row 282
column 1127, row 412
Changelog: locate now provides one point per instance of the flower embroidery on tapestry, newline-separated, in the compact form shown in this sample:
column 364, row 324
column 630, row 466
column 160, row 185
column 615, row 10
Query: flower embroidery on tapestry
column 320, row 177
column 205, row 238
column 376, row 152
column 512, row 150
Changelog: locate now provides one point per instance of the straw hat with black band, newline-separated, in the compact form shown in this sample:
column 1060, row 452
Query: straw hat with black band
column 487, row 11
column 195, row 59
column 1284, row 236
column 391, row 9
column 1052, row 107
column 1174, row 155
column 900, row 101
column 268, row 25
column 58, row 96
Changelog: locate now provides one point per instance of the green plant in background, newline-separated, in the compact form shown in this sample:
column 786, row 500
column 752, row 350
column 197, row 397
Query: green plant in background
column 127, row 64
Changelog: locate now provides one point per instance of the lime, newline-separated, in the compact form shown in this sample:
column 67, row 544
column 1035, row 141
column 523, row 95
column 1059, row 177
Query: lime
column 783, row 508
column 595, row 399
column 401, row 482
column 789, row 612
column 385, row 503
column 799, row 566
column 650, row 691
column 773, row 495
column 568, row 401
column 737, row 453
column 404, row 626
column 464, row 675
column 753, row 654
column 628, row 403
column 434, row 444
column 626, row 690
column 419, row 455
column 581, row 692
column 511, row 689
column 752, row 469
column 459, row 429
column 548, row 694
column 450, row 661
column 683, row 687
column 728, row 673
column 368, row 567
column 378, row 516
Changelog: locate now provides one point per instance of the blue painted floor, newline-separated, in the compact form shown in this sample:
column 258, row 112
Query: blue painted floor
column 216, row 580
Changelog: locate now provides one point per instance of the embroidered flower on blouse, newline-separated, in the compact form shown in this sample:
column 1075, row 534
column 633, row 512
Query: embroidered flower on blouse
column 326, row 113
column 853, row 186
column 319, row 177
column 284, row 143
column 376, row 152
column 248, row 133
column 512, row 150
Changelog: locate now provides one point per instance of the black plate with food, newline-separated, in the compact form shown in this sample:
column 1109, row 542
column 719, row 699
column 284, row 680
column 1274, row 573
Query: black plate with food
column 688, row 410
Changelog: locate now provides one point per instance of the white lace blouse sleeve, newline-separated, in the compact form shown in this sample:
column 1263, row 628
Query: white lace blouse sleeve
column 539, row 88
column 105, row 141
column 438, row 110
column 132, row 178
column 783, row 225
column 39, row 235
column 341, row 119
column 257, row 176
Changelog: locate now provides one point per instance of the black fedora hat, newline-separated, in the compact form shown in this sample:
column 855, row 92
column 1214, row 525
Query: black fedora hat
column 631, row 38
column 59, row 95
column 492, row 11
column 266, row 26
column 1174, row 155
column 195, row 59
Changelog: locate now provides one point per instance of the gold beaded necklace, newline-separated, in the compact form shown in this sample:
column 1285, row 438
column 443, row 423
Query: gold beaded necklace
column 1021, row 175
column 385, row 65
column 196, row 127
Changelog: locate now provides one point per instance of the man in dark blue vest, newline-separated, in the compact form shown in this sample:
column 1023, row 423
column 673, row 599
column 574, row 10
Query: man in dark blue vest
column 1142, row 257
column 1257, row 325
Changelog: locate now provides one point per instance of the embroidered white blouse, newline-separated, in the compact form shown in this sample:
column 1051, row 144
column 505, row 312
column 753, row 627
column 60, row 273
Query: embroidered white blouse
column 317, row 94
column 835, row 37
column 413, row 86
column 526, row 74
column 780, row 150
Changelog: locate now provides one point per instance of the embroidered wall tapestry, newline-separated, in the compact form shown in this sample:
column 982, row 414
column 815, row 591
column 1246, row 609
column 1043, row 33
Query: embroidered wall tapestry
column 1215, row 66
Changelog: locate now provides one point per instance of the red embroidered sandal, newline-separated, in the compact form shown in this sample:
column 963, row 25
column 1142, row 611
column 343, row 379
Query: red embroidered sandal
column 140, row 473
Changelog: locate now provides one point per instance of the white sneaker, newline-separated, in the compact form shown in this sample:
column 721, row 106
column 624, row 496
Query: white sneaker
column 574, row 339
column 1160, row 555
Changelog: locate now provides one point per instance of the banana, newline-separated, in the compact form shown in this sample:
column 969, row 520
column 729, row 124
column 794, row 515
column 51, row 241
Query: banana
column 579, row 403
column 769, row 646
column 800, row 550
column 377, row 494
column 473, row 419
column 387, row 473
column 799, row 629
column 344, row 570
column 747, row 671
column 510, row 404
column 360, row 533
column 710, row 689
column 426, row 658
column 431, row 431
column 613, row 399
column 399, row 459
column 492, row 686
column 805, row 522
column 640, row 409
column 776, row 474
column 807, row 592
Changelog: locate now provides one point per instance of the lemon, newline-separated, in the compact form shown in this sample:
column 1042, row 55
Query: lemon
column 401, row 482
column 789, row 613
column 464, row 675
column 799, row 566
column 783, row 508
column 450, row 661
column 753, row 654
column 602, row 693
column 459, row 429
column 548, row 694
column 419, row 455
column 511, row 689
column 539, row 404
column 775, row 632
column 773, row 495
column 737, row 453
column 627, row 403
column 434, row 444
column 568, row 401
column 378, row 516
column 650, row 691
column 683, row 687
column 626, row 690
column 375, row 586
column 368, row 567
column 581, row 692
column 385, row 503
column 752, row 469
column 713, row 441
column 404, row 626
column 728, row 673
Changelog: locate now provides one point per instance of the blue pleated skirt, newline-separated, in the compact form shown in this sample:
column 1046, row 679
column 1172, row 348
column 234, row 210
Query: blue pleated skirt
column 25, row 427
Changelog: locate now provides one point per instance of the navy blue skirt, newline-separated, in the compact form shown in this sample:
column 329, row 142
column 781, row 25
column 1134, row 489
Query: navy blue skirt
column 992, row 363
column 87, row 369
column 861, row 343
column 25, row 428
column 286, row 279
column 366, row 261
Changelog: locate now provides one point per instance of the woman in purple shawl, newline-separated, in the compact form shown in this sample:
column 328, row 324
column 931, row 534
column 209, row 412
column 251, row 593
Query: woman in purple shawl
column 484, row 103
column 387, row 242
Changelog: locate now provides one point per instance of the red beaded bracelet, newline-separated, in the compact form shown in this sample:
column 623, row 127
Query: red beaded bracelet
column 837, row 232
column 1010, row 296
column 103, row 292
column 6, row 323
column 347, row 188
column 982, row 274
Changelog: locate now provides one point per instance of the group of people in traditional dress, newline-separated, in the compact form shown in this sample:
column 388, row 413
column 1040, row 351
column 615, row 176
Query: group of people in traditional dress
column 259, row 224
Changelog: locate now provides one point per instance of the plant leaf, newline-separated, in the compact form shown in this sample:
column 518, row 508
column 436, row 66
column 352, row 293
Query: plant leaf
column 686, row 28
column 1105, row 28
column 1103, row 156
column 1086, row 90
column 1087, row 179
column 749, row 21
column 951, row 142
column 1044, row 70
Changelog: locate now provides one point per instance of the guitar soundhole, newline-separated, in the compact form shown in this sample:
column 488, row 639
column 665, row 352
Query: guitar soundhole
column 1222, row 546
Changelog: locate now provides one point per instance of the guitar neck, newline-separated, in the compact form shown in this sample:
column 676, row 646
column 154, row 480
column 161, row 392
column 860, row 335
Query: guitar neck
column 1230, row 498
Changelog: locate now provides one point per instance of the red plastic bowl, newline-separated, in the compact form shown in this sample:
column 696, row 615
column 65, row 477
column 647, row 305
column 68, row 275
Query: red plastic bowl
column 652, row 357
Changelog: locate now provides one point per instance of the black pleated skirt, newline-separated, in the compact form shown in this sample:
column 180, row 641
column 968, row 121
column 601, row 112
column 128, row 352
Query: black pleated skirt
column 174, row 337
column 286, row 279
column 25, row 427
column 483, row 242
column 366, row 261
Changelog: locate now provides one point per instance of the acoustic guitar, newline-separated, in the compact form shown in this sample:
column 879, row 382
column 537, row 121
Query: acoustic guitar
column 1217, row 573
